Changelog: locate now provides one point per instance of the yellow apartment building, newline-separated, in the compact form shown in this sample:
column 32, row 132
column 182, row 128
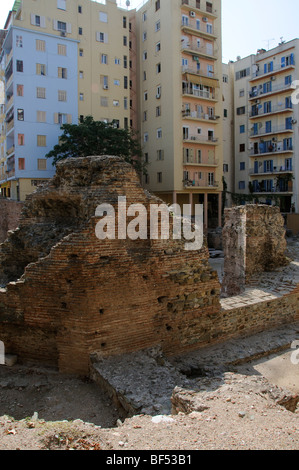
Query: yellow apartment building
column 180, row 101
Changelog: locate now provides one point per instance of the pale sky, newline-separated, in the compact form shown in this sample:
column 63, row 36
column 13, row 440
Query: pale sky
column 247, row 25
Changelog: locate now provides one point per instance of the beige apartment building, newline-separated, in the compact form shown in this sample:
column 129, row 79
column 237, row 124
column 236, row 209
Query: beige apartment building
column 61, row 60
column 266, row 146
column 180, row 101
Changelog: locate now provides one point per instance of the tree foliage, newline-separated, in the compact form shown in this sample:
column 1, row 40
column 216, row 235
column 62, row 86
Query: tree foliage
column 91, row 137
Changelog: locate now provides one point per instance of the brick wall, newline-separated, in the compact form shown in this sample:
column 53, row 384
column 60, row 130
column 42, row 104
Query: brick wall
column 80, row 295
column 10, row 212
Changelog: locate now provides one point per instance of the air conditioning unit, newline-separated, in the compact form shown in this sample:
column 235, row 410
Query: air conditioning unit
column 192, row 14
column 63, row 34
column 158, row 96
column 106, row 87
column 205, row 19
column 294, row 121
column 273, row 79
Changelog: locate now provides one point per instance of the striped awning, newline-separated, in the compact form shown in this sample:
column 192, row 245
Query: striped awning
column 200, row 80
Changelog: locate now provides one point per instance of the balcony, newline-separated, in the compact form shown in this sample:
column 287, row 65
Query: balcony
column 276, row 171
column 277, row 69
column 10, row 151
column 274, row 110
column 189, row 89
column 204, row 51
column 10, row 125
column 206, row 140
column 204, row 183
column 274, row 130
column 199, row 73
column 192, row 161
column 198, row 116
column 195, row 27
column 208, row 10
column 268, row 152
column 281, row 87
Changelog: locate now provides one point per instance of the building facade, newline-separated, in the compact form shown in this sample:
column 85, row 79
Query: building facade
column 180, row 101
column 266, row 145
column 61, row 60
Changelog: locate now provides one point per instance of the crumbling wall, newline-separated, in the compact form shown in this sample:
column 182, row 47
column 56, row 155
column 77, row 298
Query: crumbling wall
column 79, row 295
column 254, row 241
column 10, row 213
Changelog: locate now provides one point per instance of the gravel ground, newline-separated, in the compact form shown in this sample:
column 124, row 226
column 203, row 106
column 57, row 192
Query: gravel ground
column 43, row 410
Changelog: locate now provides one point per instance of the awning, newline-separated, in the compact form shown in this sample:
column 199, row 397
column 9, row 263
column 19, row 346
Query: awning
column 199, row 80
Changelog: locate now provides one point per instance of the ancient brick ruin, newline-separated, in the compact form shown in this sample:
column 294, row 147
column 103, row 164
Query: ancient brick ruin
column 67, row 297
column 67, row 294
column 254, row 241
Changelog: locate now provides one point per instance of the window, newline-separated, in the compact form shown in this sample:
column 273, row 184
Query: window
column 159, row 177
column 20, row 114
column 21, row 139
column 116, row 61
column 158, row 26
column 81, row 74
column 144, row 55
column 144, row 16
column 242, row 93
column 20, row 66
column 40, row 45
column 242, row 129
column 241, row 110
column 41, row 140
column 41, row 69
column 61, row 95
column 243, row 73
column 62, row 72
column 157, row 5
column 145, row 137
column 242, row 147
column 79, row 9
column 20, row 90
column 145, row 96
column 125, row 83
column 81, row 96
column 61, row 26
column 160, row 155
column 288, row 80
column 124, row 21
column 104, row 81
column 225, row 114
column 61, row 4
column 80, row 31
column 19, row 41
column 41, row 164
column 125, row 102
column 159, row 133
column 242, row 166
column 125, row 62
column 21, row 163
column 158, row 68
column 144, row 36
column 41, row 92
column 103, row 17
column 158, row 47
column 104, row 59
column 158, row 111
column 81, row 52
column 104, row 101
column 41, row 116
column 242, row 185
column 225, row 78
column 225, row 168
column 102, row 37
column 116, row 103
column 125, row 41
column 144, row 116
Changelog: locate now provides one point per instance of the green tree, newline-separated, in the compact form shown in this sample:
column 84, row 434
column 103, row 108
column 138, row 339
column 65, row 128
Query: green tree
column 91, row 137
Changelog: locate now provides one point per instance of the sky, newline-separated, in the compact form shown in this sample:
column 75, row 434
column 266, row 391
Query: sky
column 247, row 25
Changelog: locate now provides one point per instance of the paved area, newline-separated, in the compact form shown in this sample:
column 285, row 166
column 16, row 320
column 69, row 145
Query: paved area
column 265, row 286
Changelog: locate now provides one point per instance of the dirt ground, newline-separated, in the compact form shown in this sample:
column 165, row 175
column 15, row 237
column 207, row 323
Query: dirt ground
column 43, row 410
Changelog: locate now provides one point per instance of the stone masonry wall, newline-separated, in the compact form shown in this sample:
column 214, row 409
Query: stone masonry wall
column 254, row 241
column 10, row 213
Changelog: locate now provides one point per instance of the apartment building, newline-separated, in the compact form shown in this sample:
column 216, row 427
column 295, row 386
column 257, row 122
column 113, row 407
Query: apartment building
column 180, row 101
column 61, row 60
column 266, row 126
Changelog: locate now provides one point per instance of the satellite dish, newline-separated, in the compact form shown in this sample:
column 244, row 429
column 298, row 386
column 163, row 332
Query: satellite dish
column 128, row 3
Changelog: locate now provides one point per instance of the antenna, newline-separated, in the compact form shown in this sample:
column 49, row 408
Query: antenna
column 268, row 41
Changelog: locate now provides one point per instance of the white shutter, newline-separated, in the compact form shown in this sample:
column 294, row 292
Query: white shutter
column 69, row 28
column 106, row 38
column 55, row 25
column 32, row 19
column 42, row 21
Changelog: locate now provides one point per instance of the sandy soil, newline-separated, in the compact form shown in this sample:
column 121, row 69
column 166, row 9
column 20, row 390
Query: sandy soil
column 43, row 410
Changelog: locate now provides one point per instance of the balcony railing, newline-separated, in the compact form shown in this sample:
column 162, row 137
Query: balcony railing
column 202, row 183
column 197, row 27
column 273, row 130
column 199, row 50
column 274, row 89
column 189, row 89
column 209, row 8
column 275, row 171
column 273, row 110
column 198, row 115
column 277, row 68
column 200, row 139
column 194, row 161
column 208, row 74
column 271, row 150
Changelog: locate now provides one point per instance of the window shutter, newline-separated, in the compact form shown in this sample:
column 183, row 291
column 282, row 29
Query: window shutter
column 55, row 25
column 69, row 119
column 32, row 19
column 265, row 68
column 69, row 28
column 56, row 118
column 42, row 22
column 283, row 62
column 271, row 66
column 292, row 59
